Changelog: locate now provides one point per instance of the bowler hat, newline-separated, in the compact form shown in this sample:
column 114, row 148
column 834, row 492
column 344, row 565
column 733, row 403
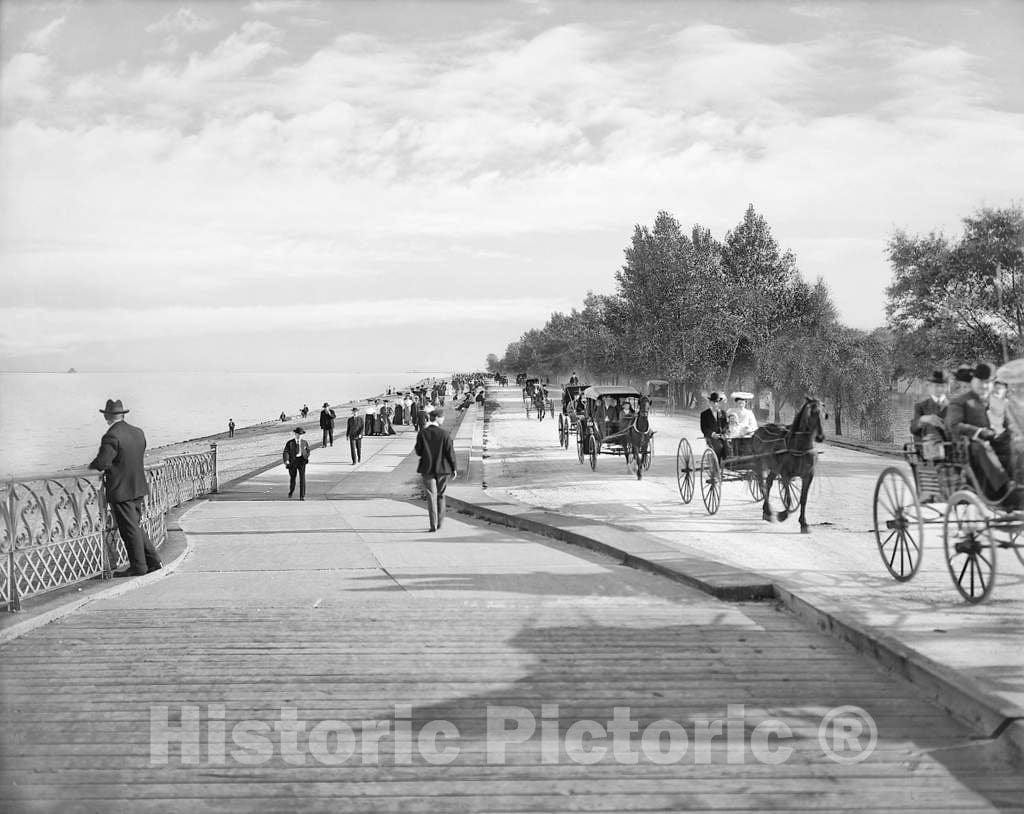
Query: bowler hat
column 713, row 397
column 437, row 412
column 937, row 377
column 982, row 372
column 114, row 407
column 325, row 404
column 299, row 431
column 963, row 374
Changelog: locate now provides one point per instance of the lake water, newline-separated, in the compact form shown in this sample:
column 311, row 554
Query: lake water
column 50, row 421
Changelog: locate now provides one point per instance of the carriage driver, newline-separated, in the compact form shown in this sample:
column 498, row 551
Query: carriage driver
column 714, row 425
column 989, row 450
column 746, row 422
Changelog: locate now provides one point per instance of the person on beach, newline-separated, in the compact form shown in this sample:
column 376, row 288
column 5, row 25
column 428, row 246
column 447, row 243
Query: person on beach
column 327, row 417
column 296, row 456
column 354, row 433
column 283, row 417
column 437, row 464
column 231, row 428
column 121, row 459
column 304, row 410
column 370, row 415
column 406, row 415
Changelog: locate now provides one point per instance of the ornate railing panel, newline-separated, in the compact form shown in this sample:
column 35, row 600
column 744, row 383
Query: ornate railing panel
column 58, row 530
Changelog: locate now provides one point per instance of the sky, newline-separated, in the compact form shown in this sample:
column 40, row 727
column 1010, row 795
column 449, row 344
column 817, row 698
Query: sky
column 274, row 185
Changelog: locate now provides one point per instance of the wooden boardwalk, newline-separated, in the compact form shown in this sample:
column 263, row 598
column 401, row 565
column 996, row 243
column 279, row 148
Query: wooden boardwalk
column 348, row 611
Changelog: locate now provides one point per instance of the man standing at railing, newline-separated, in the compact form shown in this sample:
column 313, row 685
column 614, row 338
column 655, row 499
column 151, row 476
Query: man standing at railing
column 121, row 455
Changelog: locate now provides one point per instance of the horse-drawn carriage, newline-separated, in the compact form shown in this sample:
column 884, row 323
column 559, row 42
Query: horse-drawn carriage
column 569, row 418
column 535, row 397
column 657, row 395
column 774, row 451
column 943, row 489
column 621, row 428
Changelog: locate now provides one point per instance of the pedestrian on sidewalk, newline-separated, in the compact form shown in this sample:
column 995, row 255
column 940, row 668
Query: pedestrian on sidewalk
column 231, row 428
column 354, row 433
column 327, row 416
column 437, row 464
column 296, row 456
column 121, row 459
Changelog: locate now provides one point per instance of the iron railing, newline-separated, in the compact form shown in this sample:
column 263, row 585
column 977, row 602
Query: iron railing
column 58, row 530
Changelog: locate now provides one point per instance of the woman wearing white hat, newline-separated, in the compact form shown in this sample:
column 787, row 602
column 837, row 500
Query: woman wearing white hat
column 746, row 423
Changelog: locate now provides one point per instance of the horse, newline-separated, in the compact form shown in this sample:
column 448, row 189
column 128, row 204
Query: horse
column 539, row 403
column 789, row 453
column 638, row 438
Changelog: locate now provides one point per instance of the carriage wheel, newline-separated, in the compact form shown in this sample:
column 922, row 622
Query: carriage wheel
column 789, row 493
column 710, row 480
column 755, row 486
column 684, row 470
column 579, row 444
column 970, row 546
column 593, row 452
column 561, row 433
column 899, row 531
column 648, row 454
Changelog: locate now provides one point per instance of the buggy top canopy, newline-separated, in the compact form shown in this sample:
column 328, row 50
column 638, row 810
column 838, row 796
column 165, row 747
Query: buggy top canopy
column 612, row 391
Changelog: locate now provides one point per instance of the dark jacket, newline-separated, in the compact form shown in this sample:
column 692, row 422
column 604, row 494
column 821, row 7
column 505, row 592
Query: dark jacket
column 356, row 426
column 923, row 408
column 436, row 450
column 296, row 454
column 966, row 415
column 712, row 423
column 121, row 456
column 327, row 419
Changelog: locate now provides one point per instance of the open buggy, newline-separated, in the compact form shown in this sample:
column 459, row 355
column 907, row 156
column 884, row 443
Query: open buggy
column 657, row 395
column 570, row 417
column 615, row 422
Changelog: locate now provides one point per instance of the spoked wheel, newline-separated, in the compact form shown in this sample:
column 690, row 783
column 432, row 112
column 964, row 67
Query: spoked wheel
column 970, row 546
column 789, row 493
column 684, row 470
column 647, row 455
column 579, row 445
column 593, row 452
column 899, row 531
column 755, row 486
column 710, row 480
column 561, row 431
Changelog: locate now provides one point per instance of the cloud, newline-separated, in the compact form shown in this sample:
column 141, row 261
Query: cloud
column 24, row 78
column 41, row 38
column 281, row 6
column 182, row 21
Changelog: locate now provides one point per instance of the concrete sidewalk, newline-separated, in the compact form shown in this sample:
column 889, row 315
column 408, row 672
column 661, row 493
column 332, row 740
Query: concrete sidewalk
column 965, row 658
column 332, row 654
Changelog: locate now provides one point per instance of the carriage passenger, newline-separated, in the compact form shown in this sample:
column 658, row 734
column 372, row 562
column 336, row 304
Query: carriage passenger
column 746, row 422
column 989, row 448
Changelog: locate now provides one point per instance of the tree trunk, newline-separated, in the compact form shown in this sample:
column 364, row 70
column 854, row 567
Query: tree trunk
column 732, row 360
column 839, row 419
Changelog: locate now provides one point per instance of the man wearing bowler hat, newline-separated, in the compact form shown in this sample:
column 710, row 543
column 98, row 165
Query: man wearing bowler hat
column 296, row 456
column 714, row 426
column 121, row 455
column 930, row 413
column 354, row 432
column 989, row 448
column 437, row 464
column 327, row 417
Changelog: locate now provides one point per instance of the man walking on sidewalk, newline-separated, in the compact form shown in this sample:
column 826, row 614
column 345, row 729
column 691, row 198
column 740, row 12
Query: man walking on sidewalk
column 354, row 434
column 437, row 464
column 327, row 425
column 296, row 456
column 121, row 455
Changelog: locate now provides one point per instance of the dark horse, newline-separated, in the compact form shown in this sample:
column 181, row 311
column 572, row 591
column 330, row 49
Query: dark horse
column 638, row 438
column 789, row 453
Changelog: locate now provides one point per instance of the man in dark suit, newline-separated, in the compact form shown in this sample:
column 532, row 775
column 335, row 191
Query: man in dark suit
column 327, row 417
column 714, row 425
column 967, row 417
column 354, row 434
column 296, row 456
column 930, row 413
column 437, row 464
column 121, row 456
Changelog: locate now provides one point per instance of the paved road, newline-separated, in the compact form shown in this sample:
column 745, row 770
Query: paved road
column 837, row 565
column 340, row 616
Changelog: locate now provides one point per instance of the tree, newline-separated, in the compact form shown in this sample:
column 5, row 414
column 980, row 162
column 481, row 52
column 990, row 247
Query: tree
column 493, row 363
column 951, row 302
